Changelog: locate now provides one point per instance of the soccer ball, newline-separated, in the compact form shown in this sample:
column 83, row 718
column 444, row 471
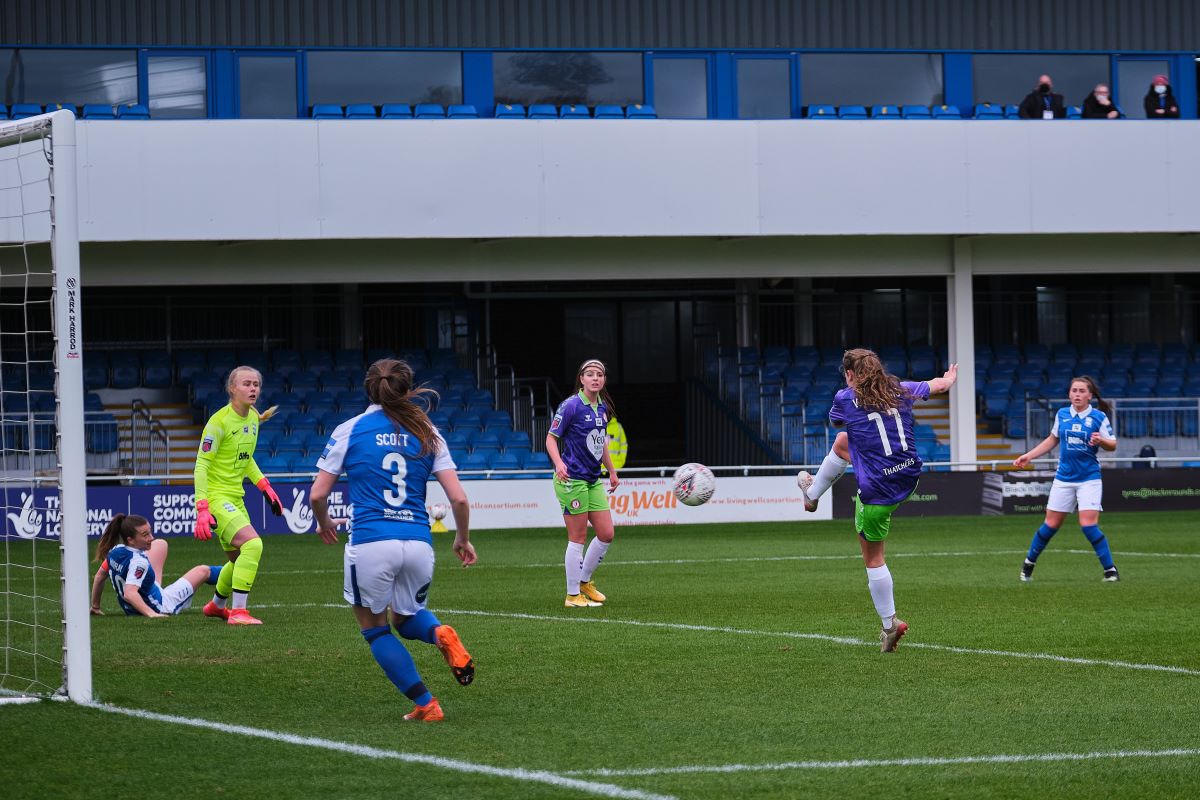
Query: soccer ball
column 694, row 484
column 439, row 511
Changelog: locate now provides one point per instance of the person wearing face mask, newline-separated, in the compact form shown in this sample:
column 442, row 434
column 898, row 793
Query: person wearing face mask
column 1160, row 101
column 1042, row 102
column 1099, row 104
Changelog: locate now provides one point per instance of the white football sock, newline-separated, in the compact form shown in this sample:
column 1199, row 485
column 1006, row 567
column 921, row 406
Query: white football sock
column 574, row 564
column 218, row 600
column 832, row 468
column 879, row 581
column 239, row 599
column 595, row 554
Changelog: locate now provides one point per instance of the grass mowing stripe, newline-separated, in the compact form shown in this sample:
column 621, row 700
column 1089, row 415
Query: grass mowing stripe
column 887, row 762
column 821, row 637
column 535, row 776
column 751, row 559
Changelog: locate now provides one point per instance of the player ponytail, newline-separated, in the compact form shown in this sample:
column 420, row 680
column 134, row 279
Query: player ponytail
column 389, row 383
column 605, row 397
column 874, row 386
column 1099, row 402
column 121, row 529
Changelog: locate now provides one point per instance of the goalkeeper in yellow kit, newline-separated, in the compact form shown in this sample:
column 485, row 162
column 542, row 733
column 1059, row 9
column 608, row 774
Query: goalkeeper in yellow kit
column 224, row 461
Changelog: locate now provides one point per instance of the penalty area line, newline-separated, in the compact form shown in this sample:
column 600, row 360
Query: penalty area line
column 860, row 763
column 820, row 637
column 453, row 764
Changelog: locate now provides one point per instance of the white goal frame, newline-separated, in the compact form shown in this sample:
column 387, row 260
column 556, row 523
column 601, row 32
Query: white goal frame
column 59, row 128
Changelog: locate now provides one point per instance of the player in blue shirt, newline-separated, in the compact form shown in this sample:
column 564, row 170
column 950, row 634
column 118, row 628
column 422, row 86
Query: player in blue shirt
column 1079, row 431
column 133, row 561
column 875, row 408
column 578, row 445
column 389, row 453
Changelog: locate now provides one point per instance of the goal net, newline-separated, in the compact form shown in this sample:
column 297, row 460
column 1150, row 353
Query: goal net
column 44, row 583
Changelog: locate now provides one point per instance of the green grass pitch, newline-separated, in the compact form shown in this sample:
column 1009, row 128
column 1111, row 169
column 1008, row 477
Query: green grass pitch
column 721, row 645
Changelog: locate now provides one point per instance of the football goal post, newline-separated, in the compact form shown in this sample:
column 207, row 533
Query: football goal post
column 44, row 586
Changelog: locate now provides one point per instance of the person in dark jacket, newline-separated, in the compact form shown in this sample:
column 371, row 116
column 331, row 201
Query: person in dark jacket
column 1042, row 102
column 1160, row 100
column 1099, row 104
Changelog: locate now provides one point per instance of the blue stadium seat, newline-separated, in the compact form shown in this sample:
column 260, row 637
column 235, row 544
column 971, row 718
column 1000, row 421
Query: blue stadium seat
column 885, row 112
column 393, row 111
column 510, row 111
column 327, row 111
column 349, row 359
column 285, row 362
column 351, row 401
column 485, row 442
column 1074, row 112
column 465, row 420
column 543, row 111
column 157, row 375
column 133, row 111
column 319, row 398
column 328, row 420
column 640, row 111
column 303, row 382
column 574, row 112
column 317, row 361
column 462, row 111
column 459, row 439
column 98, row 111
column 852, row 112
column 1012, row 111
column 270, row 464
column 95, row 370
column 946, row 112
column 988, row 111
column 822, row 112
column 609, row 112
column 24, row 110
column 473, row 461
column 290, row 445
column 539, row 461
column 428, row 111
column 100, row 434
column 505, row 461
column 361, row 111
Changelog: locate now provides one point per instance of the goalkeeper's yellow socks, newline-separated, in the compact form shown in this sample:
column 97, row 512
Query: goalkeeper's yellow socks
column 245, row 569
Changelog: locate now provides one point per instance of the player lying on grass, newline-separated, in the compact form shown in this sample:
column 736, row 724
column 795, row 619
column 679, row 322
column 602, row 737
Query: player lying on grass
column 133, row 561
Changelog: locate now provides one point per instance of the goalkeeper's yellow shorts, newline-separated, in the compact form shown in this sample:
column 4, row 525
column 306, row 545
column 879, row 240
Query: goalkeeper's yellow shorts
column 231, row 516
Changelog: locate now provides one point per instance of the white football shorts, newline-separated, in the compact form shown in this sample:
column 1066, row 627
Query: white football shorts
column 389, row 572
column 1066, row 497
column 178, row 596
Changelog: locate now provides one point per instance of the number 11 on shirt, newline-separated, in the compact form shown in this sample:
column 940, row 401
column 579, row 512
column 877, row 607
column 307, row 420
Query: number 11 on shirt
column 878, row 418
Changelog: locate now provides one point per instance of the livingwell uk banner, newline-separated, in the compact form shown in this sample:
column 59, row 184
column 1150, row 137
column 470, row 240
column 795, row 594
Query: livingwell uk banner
column 495, row 504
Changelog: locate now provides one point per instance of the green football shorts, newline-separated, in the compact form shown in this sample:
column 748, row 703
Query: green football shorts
column 873, row 523
column 580, row 497
column 231, row 516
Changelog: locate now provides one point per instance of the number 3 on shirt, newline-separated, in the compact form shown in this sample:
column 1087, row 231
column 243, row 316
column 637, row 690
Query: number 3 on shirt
column 883, row 439
column 395, row 464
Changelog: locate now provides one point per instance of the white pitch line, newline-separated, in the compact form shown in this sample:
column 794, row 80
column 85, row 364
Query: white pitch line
column 457, row 765
column 754, row 559
column 860, row 763
column 820, row 637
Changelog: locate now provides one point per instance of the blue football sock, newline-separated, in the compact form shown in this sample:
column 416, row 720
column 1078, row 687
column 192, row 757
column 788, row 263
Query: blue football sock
column 397, row 664
column 420, row 626
column 214, row 572
column 1041, row 538
column 1099, row 544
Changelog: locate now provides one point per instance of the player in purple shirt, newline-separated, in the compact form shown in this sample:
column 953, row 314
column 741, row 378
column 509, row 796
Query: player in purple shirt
column 577, row 445
column 876, row 411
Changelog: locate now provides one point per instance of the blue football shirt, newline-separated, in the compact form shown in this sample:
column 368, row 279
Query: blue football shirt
column 1077, row 460
column 387, row 476
column 130, row 567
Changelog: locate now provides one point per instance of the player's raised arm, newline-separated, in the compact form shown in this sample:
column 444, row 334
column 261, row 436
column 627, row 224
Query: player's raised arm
column 943, row 384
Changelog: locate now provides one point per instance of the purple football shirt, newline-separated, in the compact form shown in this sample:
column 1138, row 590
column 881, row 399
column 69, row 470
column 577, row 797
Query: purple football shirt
column 883, row 449
column 580, row 430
